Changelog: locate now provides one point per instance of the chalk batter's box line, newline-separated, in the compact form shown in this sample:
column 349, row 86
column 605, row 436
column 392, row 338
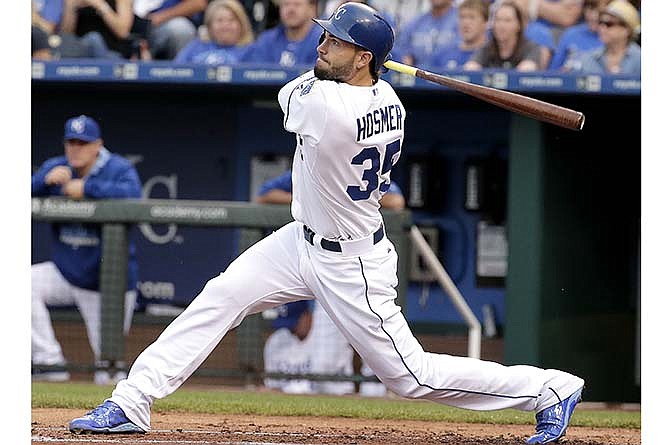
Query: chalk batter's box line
column 134, row 440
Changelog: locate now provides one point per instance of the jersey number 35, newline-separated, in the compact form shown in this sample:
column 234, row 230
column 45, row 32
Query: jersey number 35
column 371, row 175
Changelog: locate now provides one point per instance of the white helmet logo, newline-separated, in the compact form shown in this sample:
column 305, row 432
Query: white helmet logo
column 78, row 125
column 339, row 13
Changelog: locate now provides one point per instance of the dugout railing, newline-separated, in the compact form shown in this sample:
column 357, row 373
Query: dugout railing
column 117, row 216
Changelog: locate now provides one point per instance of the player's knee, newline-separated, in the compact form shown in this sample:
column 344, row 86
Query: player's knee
column 406, row 387
column 225, row 292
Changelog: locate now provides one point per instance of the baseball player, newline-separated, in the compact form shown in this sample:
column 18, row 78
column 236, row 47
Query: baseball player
column 287, row 351
column 88, row 170
column 349, row 128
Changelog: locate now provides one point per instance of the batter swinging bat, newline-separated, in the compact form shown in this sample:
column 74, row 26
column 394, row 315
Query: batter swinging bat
column 536, row 109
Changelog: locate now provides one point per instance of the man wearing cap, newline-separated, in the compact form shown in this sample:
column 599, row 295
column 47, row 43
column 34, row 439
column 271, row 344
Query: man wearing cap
column 87, row 171
column 286, row 351
column 618, row 27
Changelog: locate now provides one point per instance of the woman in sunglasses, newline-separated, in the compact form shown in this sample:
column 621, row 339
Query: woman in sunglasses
column 618, row 27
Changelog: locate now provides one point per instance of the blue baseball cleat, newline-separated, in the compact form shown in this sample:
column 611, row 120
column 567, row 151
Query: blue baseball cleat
column 107, row 418
column 553, row 421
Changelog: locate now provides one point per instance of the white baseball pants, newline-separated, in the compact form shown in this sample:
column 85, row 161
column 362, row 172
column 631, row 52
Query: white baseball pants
column 49, row 287
column 357, row 291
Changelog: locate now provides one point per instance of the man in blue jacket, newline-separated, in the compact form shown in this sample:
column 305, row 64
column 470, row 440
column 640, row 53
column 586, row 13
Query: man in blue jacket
column 87, row 170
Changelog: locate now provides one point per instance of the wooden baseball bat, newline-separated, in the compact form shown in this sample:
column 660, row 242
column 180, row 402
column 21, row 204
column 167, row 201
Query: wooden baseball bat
column 536, row 109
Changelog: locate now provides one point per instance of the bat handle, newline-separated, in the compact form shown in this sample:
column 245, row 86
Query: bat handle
column 400, row 67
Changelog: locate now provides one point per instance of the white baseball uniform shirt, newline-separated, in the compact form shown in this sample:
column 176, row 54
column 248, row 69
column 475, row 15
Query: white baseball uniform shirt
column 337, row 185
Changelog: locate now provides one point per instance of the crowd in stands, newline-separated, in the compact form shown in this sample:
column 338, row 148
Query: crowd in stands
column 595, row 36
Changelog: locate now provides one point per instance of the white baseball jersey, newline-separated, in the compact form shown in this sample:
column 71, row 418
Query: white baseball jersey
column 285, row 353
column 344, row 154
column 348, row 137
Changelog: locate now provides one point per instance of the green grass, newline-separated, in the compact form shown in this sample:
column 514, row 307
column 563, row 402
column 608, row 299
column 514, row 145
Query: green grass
column 215, row 401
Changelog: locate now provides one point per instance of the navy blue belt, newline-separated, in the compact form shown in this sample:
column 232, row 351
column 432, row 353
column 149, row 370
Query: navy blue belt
column 335, row 246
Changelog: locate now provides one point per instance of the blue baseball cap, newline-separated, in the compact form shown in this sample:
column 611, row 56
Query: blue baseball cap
column 83, row 128
column 290, row 313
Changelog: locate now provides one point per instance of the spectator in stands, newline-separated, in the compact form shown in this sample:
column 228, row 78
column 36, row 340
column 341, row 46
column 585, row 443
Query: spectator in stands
column 579, row 38
column 229, row 35
column 332, row 5
column 508, row 47
column 87, row 170
column 396, row 12
column 326, row 349
column 401, row 11
column 293, row 41
column 47, row 14
column 618, row 27
column 46, row 19
column 538, row 33
column 39, row 42
column 555, row 15
column 173, row 24
column 473, row 18
column 423, row 38
column 104, row 25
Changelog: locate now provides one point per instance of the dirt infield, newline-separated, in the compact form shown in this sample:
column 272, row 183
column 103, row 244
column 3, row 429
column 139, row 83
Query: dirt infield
column 49, row 426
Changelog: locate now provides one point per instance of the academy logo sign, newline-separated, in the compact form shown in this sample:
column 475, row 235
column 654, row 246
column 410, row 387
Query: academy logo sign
column 62, row 208
column 191, row 213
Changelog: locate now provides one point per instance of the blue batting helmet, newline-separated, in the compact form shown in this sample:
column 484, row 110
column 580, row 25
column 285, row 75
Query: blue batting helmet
column 363, row 26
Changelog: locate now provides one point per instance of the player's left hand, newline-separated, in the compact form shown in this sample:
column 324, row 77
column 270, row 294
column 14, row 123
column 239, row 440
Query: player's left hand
column 74, row 189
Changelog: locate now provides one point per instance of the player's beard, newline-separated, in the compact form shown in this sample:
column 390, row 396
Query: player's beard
column 338, row 73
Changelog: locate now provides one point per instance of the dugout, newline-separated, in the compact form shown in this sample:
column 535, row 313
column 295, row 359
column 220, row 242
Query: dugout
column 566, row 293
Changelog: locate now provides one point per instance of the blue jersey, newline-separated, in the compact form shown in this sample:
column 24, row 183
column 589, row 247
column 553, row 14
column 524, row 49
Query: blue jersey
column 210, row 53
column 272, row 46
column 539, row 34
column 50, row 10
column 452, row 58
column 283, row 182
column 165, row 4
column 426, row 36
column 77, row 248
column 595, row 62
column 575, row 41
column 546, row 23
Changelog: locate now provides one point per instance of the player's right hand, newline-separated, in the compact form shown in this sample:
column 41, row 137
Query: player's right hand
column 58, row 175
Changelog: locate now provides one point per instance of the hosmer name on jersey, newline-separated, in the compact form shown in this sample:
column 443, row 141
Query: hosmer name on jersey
column 380, row 120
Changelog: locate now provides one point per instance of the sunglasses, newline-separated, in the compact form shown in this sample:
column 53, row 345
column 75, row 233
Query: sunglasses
column 609, row 23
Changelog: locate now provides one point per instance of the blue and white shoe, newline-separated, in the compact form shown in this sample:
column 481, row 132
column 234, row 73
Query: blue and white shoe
column 107, row 418
column 553, row 421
